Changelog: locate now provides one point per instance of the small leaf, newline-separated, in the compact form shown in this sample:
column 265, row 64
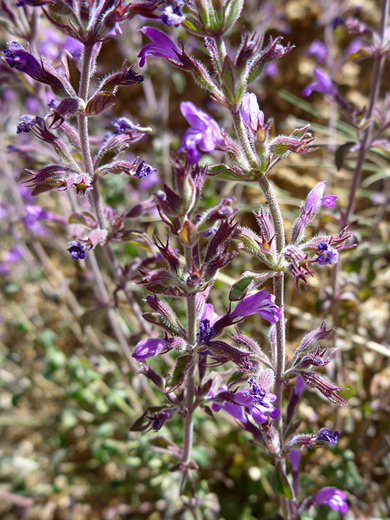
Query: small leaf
column 280, row 484
column 176, row 377
column 248, row 281
column 341, row 153
column 99, row 102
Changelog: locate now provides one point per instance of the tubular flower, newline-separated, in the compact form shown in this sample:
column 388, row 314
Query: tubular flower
column 148, row 348
column 261, row 303
column 333, row 497
column 322, row 83
column 204, row 132
column 161, row 46
column 255, row 399
column 316, row 198
column 77, row 250
column 207, row 320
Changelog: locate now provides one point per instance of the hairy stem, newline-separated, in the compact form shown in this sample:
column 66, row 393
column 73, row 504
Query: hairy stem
column 365, row 142
column 190, row 377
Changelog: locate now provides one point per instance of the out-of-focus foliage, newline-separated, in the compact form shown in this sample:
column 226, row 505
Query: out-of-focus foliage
column 67, row 398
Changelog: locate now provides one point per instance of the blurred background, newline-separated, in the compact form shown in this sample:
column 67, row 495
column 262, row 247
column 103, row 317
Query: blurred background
column 67, row 395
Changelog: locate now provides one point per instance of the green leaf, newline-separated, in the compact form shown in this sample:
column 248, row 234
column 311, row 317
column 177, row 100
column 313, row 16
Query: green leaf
column 280, row 484
column 99, row 102
column 341, row 153
column 176, row 376
column 248, row 281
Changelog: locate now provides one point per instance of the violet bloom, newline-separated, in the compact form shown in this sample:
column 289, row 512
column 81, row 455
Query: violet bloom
column 261, row 303
column 251, row 113
column 172, row 15
column 34, row 213
column 13, row 256
column 17, row 58
column 256, row 399
column 77, row 250
column 322, row 84
column 207, row 320
column 295, row 458
column 316, row 198
column 318, row 50
column 328, row 256
column 333, row 497
column 27, row 122
column 148, row 348
column 327, row 435
column 162, row 46
column 144, row 169
column 204, row 132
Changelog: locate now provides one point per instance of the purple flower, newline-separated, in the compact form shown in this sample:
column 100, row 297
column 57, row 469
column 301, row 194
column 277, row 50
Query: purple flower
column 77, row 250
column 17, row 58
column 27, row 122
column 148, row 348
column 13, row 256
column 329, row 255
column 207, row 320
column 203, row 134
column 300, row 385
column 327, row 435
column 333, row 497
column 295, row 457
column 256, row 399
column 316, row 198
column 318, row 50
column 144, row 169
column 172, row 15
column 261, row 303
column 251, row 113
column 34, row 213
column 162, row 46
column 322, row 84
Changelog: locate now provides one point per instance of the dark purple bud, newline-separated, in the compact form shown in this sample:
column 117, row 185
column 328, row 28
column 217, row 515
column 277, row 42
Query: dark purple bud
column 148, row 348
column 166, row 313
column 77, row 250
column 261, row 303
column 327, row 435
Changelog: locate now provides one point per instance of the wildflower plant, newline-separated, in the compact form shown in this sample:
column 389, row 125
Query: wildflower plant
column 184, row 262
